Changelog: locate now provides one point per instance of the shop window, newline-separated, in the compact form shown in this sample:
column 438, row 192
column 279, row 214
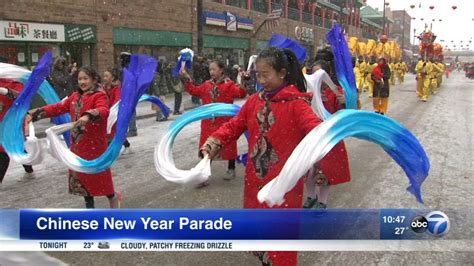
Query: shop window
column 260, row 5
column 237, row 3
column 78, row 53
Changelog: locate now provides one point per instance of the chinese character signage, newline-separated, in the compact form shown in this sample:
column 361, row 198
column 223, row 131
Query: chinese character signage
column 304, row 34
column 80, row 33
column 27, row 31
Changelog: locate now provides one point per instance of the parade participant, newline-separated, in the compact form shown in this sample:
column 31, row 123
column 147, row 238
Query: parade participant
column 392, row 67
column 404, row 70
column 9, row 90
column 442, row 67
column 400, row 70
column 420, row 77
column 276, row 119
column 381, row 77
column 111, row 85
column 433, row 75
column 363, row 68
column 89, row 110
column 336, row 163
column 370, row 83
column 218, row 89
column 359, row 80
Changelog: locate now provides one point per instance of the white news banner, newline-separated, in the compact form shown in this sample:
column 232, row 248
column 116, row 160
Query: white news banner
column 237, row 245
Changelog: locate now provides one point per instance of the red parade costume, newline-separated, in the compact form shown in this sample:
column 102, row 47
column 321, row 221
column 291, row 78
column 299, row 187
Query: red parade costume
column 222, row 92
column 90, row 143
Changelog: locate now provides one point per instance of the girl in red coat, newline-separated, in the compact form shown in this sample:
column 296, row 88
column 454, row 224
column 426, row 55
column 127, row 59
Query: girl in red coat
column 333, row 169
column 89, row 109
column 219, row 89
column 9, row 90
column 276, row 119
column 111, row 86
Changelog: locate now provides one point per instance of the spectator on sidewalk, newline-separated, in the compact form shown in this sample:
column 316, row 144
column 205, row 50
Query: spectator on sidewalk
column 61, row 78
column 132, row 126
column 200, row 74
column 160, row 87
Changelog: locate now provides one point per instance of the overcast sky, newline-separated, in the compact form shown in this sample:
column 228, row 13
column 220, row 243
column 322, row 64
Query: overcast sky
column 456, row 25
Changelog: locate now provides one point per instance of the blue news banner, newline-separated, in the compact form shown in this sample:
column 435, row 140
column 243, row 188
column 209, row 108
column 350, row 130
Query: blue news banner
column 223, row 224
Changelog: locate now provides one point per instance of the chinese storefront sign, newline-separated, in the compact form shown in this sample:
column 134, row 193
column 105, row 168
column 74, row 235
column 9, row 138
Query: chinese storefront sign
column 80, row 33
column 26, row 31
column 304, row 34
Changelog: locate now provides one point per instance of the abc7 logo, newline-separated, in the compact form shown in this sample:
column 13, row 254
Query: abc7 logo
column 436, row 222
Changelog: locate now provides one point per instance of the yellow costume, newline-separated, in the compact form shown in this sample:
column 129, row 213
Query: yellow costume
column 392, row 70
column 363, row 69
column 358, row 78
column 440, row 76
column 435, row 71
column 425, row 70
column 370, row 82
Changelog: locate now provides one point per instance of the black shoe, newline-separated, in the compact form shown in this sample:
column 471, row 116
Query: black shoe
column 382, row 113
column 310, row 202
column 177, row 113
column 162, row 119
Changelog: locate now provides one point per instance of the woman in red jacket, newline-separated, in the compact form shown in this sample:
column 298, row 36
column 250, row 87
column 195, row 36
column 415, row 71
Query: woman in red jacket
column 9, row 90
column 89, row 109
column 111, row 86
column 277, row 119
column 219, row 89
column 334, row 168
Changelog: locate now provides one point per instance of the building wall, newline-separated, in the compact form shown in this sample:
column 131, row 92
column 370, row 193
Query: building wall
column 396, row 28
column 158, row 15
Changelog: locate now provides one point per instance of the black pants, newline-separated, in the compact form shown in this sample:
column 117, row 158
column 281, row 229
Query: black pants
column 178, row 97
column 5, row 162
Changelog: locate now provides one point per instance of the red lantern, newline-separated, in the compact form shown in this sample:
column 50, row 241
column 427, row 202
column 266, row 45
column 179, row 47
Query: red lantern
column 412, row 6
column 454, row 7
column 431, row 7
column 383, row 38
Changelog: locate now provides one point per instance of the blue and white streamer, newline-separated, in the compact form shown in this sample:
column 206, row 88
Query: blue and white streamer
column 163, row 156
column 314, row 82
column 145, row 97
column 393, row 137
column 11, row 128
column 137, row 78
column 46, row 91
column 343, row 62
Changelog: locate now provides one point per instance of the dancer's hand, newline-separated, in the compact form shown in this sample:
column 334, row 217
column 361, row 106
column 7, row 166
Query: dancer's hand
column 81, row 122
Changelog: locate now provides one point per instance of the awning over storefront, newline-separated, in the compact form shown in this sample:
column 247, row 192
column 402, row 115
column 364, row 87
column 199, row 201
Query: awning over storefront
column 214, row 41
column 130, row 36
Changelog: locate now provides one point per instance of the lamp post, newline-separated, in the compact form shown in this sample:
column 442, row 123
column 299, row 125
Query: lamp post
column 383, row 18
column 403, row 33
